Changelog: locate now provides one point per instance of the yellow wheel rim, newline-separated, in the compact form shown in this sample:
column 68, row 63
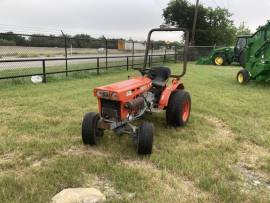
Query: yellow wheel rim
column 240, row 78
column 219, row 61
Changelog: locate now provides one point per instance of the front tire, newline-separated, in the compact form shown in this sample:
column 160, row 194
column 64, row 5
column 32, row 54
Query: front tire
column 90, row 130
column 243, row 77
column 178, row 109
column 145, row 136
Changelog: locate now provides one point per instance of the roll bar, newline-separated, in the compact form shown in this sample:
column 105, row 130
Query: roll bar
column 179, row 29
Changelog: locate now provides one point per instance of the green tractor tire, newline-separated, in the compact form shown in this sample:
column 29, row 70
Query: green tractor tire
column 243, row 77
column 220, row 60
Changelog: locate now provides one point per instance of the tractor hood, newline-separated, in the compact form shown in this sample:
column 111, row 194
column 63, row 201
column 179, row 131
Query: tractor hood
column 125, row 90
column 126, row 85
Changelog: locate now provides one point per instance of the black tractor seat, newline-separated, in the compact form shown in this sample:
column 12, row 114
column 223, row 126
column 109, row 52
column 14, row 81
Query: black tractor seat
column 159, row 75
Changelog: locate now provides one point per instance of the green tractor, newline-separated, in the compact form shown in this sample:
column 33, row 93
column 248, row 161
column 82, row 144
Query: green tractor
column 255, row 57
column 227, row 55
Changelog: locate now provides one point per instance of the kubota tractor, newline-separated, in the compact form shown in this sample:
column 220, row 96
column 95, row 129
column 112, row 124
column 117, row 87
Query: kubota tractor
column 123, row 102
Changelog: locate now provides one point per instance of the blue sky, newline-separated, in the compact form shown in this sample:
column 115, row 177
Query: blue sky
column 113, row 18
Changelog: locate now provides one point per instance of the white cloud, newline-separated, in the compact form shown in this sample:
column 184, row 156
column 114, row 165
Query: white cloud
column 253, row 12
column 112, row 18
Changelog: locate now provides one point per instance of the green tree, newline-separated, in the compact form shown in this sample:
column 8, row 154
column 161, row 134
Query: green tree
column 4, row 42
column 243, row 29
column 19, row 40
column 214, row 25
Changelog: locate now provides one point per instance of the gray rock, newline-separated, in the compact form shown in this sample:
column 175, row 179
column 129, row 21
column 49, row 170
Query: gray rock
column 79, row 195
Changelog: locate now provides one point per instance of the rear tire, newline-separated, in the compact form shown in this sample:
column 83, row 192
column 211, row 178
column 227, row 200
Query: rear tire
column 90, row 131
column 145, row 138
column 243, row 77
column 220, row 60
column 178, row 109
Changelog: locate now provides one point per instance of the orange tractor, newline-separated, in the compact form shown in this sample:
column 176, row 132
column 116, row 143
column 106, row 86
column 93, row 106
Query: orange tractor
column 123, row 102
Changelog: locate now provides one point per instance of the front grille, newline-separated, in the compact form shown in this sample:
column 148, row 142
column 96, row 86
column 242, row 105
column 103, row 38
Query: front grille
column 110, row 109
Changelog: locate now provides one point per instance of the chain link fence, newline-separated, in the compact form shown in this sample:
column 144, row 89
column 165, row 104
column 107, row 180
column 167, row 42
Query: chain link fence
column 29, row 55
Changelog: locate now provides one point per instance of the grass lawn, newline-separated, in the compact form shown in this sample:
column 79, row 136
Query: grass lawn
column 222, row 155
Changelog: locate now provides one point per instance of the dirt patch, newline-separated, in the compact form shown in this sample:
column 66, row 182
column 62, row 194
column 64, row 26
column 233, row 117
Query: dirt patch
column 106, row 187
column 7, row 159
column 38, row 163
column 176, row 188
column 251, row 158
column 251, row 155
column 222, row 129
column 11, row 163
column 82, row 150
column 251, row 178
column 4, row 131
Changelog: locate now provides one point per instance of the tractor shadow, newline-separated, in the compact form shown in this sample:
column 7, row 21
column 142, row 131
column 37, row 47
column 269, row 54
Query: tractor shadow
column 123, row 147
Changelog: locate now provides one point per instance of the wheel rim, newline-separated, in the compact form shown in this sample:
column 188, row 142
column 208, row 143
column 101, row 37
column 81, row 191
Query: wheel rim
column 186, row 111
column 219, row 61
column 240, row 78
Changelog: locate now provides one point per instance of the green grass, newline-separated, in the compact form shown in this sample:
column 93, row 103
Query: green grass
column 215, row 158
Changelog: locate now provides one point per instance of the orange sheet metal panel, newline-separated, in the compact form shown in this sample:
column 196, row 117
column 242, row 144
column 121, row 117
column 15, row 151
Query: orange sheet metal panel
column 121, row 44
column 127, row 89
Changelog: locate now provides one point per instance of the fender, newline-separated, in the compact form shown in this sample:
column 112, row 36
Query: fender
column 165, row 96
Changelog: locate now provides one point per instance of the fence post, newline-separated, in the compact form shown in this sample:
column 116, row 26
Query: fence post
column 127, row 63
column 44, row 72
column 175, row 54
column 165, row 57
column 106, row 53
column 152, row 51
column 66, row 55
column 97, row 65
column 149, row 60
column 133, row 54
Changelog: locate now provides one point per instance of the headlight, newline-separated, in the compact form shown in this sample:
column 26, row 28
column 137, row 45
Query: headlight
column 129, row 93
column 107, row 94
column 101, row 93
column 114, row 96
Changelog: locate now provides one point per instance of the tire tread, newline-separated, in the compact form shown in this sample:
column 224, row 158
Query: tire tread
column 145, row 138
column 175, row 108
